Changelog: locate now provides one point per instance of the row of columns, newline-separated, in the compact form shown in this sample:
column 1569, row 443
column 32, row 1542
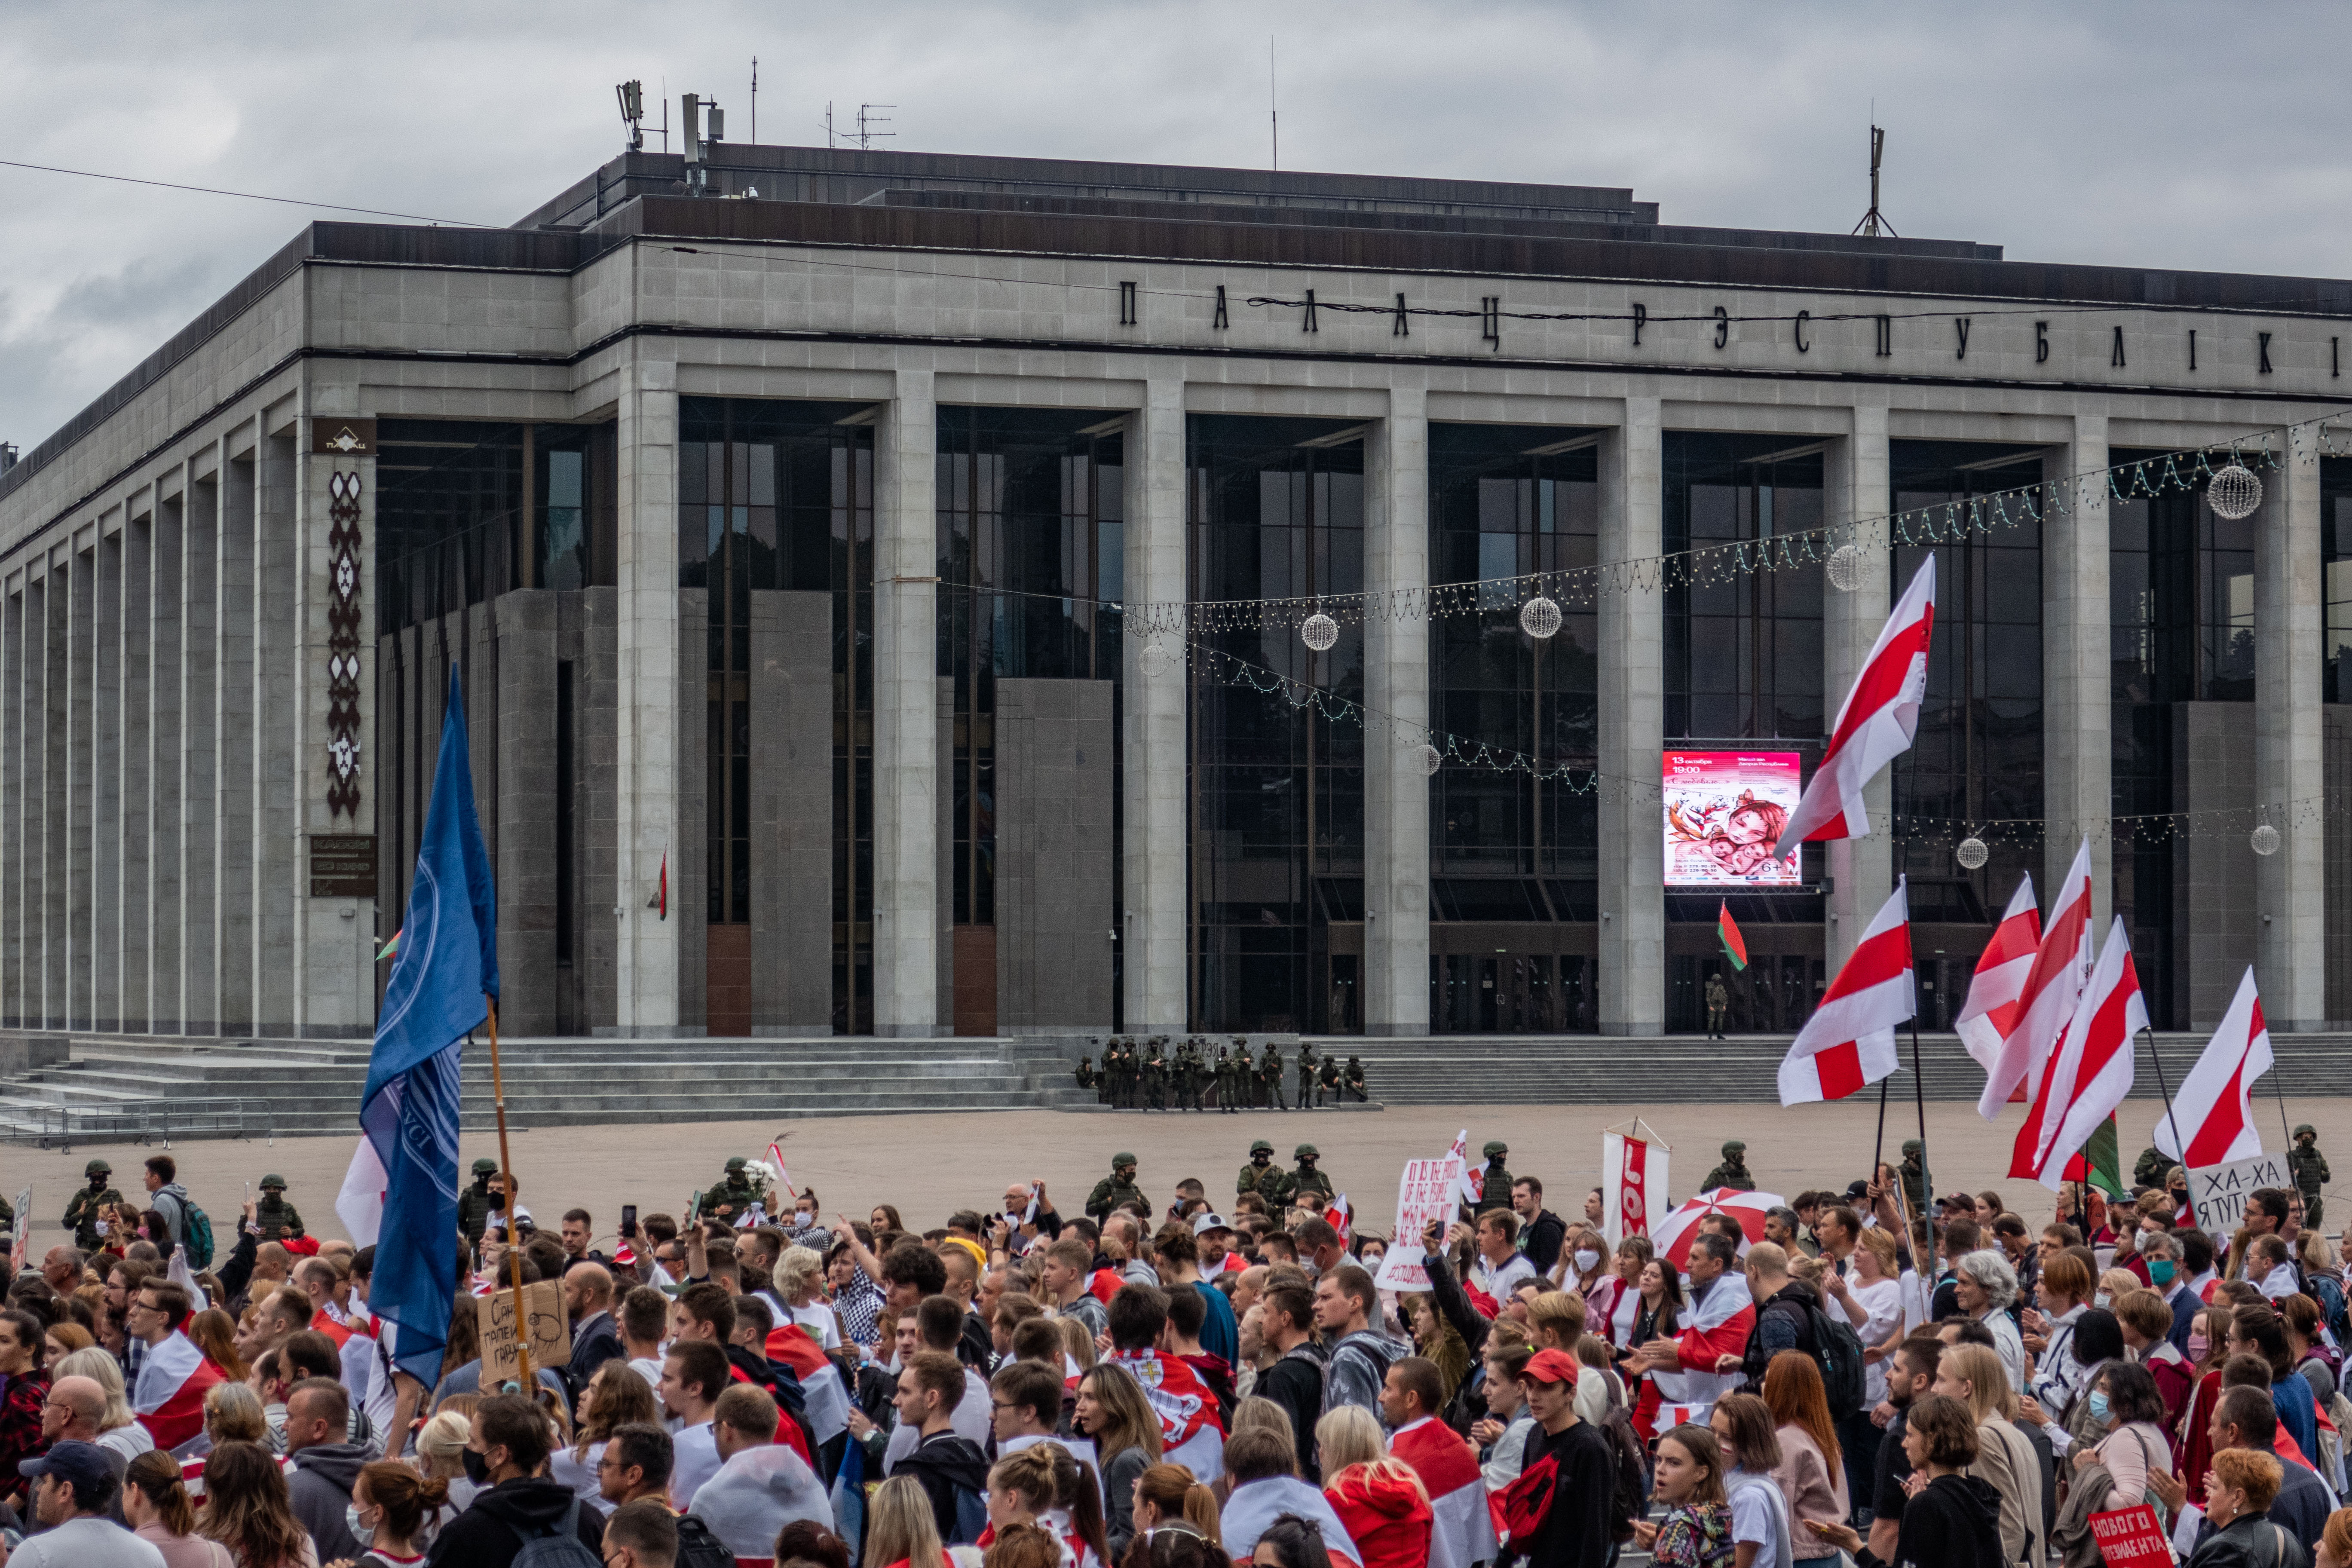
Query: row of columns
column 1153, row 924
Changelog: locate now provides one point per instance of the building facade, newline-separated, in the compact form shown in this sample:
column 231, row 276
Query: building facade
column 809, row 563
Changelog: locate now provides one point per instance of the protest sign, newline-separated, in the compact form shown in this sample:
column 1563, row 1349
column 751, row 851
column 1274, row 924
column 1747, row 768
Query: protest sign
column 551, row 1332
column 1424, row 1193
column 1633, row 1186
column 2220, row 1192
column 2130, row 1538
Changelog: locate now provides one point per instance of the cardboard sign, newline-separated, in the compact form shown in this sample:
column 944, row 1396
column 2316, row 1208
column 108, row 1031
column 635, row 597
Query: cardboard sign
column 551, row 1332
column 1424, row 1193
column 2220, row 1192
column 2130, row 1538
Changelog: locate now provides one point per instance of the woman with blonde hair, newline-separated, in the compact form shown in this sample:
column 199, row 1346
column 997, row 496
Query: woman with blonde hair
column 233, row 1414
column 1380, row 1500
column 117, row 1428
column 1078, row 1341
column 1166, row 1498
column 2006, row 1460
column 614, row 1398
column 247, row 1509
column 442, row 1449
column 156, row 1506
column 800, row 1285
column 900, row 1532
column 1112, row 1411
column 1810, row 1473
column 1043, row 1485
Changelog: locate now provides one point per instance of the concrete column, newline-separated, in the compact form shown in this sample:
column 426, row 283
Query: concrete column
column 166, row 1007
column 2290, row 779
column 236, row 726
column 1632, row 717
column 1396, row 682
column 2077, row 669
column 333, row 959
column 906, row 933
column 199, row 674
column 645, row 742
column 105, row 1006
column 1860, row 870
column 284, row 778
column 1152, row 854
column 138, row 768
column 13, row 820
column 56, row 938
column 81, row 785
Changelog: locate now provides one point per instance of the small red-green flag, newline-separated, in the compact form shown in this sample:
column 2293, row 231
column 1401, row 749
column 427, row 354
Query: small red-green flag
column 1735, row 946
column 390, row 947
column 2099, row 1161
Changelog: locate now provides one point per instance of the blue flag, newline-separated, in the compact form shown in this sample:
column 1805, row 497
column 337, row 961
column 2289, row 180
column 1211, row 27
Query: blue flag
column 448, row 963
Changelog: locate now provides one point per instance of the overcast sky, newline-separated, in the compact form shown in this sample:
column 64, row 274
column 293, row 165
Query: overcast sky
column 2152, row 134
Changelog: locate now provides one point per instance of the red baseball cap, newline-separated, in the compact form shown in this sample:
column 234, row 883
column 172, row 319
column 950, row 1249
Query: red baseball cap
column 1553, row 1366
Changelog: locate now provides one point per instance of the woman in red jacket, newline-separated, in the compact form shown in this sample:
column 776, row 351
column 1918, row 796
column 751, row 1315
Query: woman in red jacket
column 1380, row 1500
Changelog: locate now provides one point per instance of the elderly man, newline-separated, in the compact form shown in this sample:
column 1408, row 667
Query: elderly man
column 61, row 1268
column 75, row 1405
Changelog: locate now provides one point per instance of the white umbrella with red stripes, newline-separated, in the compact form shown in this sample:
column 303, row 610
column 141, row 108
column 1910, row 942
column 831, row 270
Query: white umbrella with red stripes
column 1675, row 1233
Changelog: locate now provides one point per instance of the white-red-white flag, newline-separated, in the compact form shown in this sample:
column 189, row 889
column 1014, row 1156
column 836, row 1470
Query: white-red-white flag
column 1991, row 1009
column 2091, row 1070
column 1339, row 1215
column 1874, row 726
column 1462, row 1526
column 1850, row 1039
column 169, row 1397
column 2209, row 1115
column 2052, row 986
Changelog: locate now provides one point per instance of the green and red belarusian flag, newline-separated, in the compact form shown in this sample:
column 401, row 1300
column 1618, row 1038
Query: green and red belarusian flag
column 390, row 947
column 2099, row 1161
column 1735, row 946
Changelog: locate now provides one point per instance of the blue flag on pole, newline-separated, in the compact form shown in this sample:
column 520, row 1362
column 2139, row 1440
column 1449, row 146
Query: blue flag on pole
column 448, row 963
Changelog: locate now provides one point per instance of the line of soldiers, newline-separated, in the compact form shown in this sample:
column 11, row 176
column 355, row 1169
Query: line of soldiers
column 1147, row 1075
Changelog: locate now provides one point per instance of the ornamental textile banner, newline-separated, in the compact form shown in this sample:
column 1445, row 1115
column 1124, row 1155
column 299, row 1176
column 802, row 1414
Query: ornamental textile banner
column 1633, row 1186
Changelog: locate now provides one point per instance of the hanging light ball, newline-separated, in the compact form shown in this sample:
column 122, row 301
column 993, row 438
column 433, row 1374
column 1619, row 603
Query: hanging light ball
column 1431, row 758
column 1972, row 853
column 2234, row 492
column 1157, row 660
column 1539, row 617
column 1845, row 568
column 1319, row 631
column 2264, row 838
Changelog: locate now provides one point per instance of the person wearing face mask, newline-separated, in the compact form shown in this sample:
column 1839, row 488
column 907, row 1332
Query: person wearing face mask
column 392, row 1513
column 506, row 1445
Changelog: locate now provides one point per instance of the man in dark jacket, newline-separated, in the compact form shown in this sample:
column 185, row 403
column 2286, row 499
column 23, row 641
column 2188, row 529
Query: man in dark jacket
column 1577, row 1528
column 951, row 1470
column 1784, row 1313
column 504, row 1451
column 1540, row 1230
column 1295, row 1381
column 318, row 1416
column 595, row 1337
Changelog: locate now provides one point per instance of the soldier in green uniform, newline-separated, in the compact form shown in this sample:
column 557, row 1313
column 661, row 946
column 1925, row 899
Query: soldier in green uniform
column 2309, row 1168
column 277, row 1218
column 1193, row 1072
column 1495, row 1181
column 1913, row 1175
column 81, row 1214
column 1306, row 1076
column 1309, row 1181
column 1122, row 1081
column 1254, row 1175
column 1732, row 1172
column 1326, row 1087
column 1155, row 1073
column 1085, row 1072
column 734, row 1193
column 475, row 1203
column 1356, row 1079
column 2147, row 1170
column 1115, row 1189
column 1269, row 1073
column 8, row 1217
column 1224, row 1079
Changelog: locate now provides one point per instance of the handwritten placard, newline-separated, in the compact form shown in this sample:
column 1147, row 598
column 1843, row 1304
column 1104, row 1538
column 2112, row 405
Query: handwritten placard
column 1424, row 1193
column 2130, row 1538
column 2220, row 1192
column 551, row 1332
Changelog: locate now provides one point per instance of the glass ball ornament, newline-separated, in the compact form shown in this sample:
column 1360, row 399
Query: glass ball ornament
column 1431, row 758
column 1845, row 568
column 1157, row 660
column 1972, row 853
column 1539, row 617
column 1319, row 631
column 2234, row 492
column 2265, row 839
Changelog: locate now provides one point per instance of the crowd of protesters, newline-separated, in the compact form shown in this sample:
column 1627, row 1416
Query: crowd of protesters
column 755, row 1380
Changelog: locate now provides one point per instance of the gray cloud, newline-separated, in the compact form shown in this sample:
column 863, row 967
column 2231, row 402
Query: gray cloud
column 2160, row 135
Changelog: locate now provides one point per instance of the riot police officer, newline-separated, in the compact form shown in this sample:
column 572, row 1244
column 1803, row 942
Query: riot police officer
column 1732, row 1172
column 475, row 1203
column 82, row 1212
column 1309, row 1181
column 1256, row 1176
column 1269, row 1072
column 277, row 1218
column 1495, row 1181
column 1115, row 1189
column 2309, row 1168
column 734, row 1193
column 1306, row 1076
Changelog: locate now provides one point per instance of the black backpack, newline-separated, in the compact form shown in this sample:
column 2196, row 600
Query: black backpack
column 1839, row 1354
column 698, row 1548
column 1630, row 1497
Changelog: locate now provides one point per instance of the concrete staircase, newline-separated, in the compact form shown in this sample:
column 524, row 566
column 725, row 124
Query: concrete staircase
column 117, row 1088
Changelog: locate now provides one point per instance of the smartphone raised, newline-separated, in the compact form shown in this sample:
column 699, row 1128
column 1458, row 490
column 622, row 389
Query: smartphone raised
column 628, row 1221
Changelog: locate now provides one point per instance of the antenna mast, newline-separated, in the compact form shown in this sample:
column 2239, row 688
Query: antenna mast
column 1273, row 107
column 1873, row 222
column 867, row 135
column 755, row 100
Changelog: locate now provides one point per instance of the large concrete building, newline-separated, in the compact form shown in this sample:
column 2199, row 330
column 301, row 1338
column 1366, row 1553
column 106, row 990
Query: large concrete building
column 805, row 560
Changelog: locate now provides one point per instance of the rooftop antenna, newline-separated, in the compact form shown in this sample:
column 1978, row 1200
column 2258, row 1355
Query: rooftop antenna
column 1273, row 108
column 828, row 122
column 755, row 100
column 665, row 103
column 866, row 136
column 1873, row 221
column 632, row 95
column 696, row 113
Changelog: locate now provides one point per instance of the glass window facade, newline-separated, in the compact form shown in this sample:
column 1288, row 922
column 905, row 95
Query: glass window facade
column 1744, row 653
column 1978, row 752
column 1511, row 855
column 467, row 511
column 1275, row 508
column 775, row 496
column 2335, row 579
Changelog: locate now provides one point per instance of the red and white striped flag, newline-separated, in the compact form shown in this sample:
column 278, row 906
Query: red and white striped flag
column 1848, row 1042
column 170, row 1399
column 2091, row 1070
column 1717, row 1326
column 2211, row 1114
column 1338, row 1215
column 1990, row 1011
column 2052, row 986
column 783, row 1177
column 1875, row 724
column 1462, row 1530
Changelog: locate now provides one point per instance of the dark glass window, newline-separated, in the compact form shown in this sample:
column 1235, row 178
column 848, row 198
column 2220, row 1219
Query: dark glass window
column 1276, row 510
column 1743, row 649
column 448, row 517
column 2336, row 583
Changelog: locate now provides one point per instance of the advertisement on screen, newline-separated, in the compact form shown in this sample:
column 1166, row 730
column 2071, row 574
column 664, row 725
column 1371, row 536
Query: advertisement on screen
column 1723, row 811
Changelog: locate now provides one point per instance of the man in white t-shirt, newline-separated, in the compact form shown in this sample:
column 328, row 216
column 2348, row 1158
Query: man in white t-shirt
column 1501, row 1265
column 694, row 1375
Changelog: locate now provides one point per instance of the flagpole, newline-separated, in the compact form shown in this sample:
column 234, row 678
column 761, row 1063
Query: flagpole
column 1919, row 1092
column 1878, row 1149
column 2278, row 1087
column 506, row 1170
column 2169, row 1114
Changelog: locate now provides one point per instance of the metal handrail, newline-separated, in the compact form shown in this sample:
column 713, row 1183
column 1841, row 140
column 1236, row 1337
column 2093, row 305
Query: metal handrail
column 132, row 1121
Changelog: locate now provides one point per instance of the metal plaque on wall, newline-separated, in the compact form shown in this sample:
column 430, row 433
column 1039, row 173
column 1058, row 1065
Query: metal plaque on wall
column 343, row 865
column 343, row 437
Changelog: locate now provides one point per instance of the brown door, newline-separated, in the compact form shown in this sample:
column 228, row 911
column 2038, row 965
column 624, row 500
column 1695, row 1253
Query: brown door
column 728, row 974
column 975, row 980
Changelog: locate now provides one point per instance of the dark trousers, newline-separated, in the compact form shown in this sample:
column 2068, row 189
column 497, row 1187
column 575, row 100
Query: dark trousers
column 1858, row 1438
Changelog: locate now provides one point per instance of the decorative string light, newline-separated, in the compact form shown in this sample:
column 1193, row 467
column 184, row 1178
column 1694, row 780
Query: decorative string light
column 2234, row 492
